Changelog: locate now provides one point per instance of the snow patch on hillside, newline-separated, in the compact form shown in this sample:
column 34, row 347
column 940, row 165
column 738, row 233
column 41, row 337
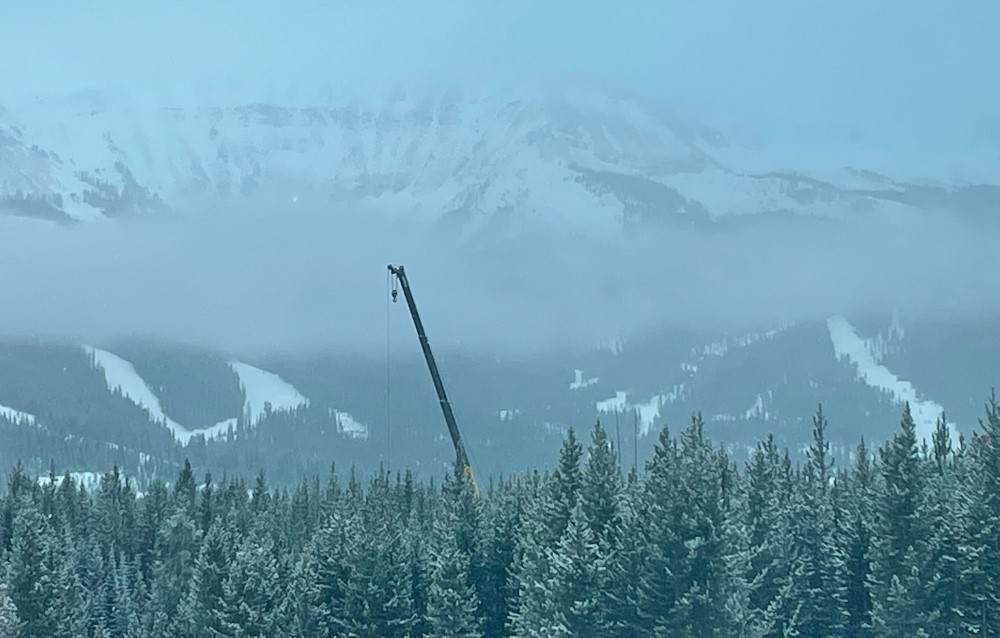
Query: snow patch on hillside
column 508, row 415
column 616, row 403
column 647, row 412
column 264, row 391
column 262, row 388
column 218, row 430
column 89, row 480
column 348, row 426
column 580, row 382
column 722, row 347
column 122, row 376
column 759, row 409
column 614, row 345
column 848, row 344
column 17, row 416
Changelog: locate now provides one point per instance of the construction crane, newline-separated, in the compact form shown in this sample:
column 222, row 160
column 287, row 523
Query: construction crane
column 463, row 469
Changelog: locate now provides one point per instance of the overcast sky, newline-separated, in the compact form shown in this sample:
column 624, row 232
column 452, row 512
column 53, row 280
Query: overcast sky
column 915, row 78
column 919, row 75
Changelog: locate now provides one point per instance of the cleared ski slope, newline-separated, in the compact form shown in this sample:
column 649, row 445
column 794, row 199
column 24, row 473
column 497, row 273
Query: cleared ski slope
column 16, row 416
column 260, row 387
column 847, row 343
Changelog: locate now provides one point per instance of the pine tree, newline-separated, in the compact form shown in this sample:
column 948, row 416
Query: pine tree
column 547, row 521
column 626, row 568
column 660, row 585
column 500, row 530
column 685, row 584
column 766, row 518
column 562, row 490
column 856, row 530
column 10, row 624
column 73, row 602
column 32, row 582
column 706, row 583
column 317, row 600
column 128, row 601
column 378, row 593
column 941, row 439
column 250, row 605
column 204, row 602
column 980, row 569
column 946, row 511
column 601, row 490
column 580, row 578
column 185, row 489
column 901, row 536
column 817, row 563
column 453, row 605
column 174, row 567
column 600, row 506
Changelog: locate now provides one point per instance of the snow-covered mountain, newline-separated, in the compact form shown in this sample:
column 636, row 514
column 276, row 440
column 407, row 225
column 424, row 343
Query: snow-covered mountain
column 470, row 163
column 471, row 159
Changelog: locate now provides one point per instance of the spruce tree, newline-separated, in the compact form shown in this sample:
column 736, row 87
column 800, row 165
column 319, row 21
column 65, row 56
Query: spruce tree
column 980, row 594
column 10, row 624
column 685, row 583
column 600, row 506
column 818, row 567
column 74, row 603
column 317, row 600
column 500, row 529
column 32, row 581
column 856, row 534
column 204, row 603
column 129, row 599
column 901, row 536
column 767, row 520
column 580, row 579
column 547, row 522
column 378, row 593
column 946, row 513
column 453, row 605
column 250, row 602
column 659, row 587
column 601, row 490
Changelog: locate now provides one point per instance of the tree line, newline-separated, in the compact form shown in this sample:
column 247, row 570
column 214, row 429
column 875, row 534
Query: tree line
column 900, row 541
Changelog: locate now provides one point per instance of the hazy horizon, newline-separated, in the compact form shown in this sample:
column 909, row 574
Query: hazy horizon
column 909, row 79
column 903, row 83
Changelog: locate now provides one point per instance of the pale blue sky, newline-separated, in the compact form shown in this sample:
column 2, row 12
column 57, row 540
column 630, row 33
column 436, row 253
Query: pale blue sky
column 915, row 76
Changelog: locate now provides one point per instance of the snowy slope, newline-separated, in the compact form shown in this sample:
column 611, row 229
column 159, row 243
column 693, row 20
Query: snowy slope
column 122, row 376
column 89, row 480
column 476, row 158
column 649, row 411
column 848, row 344
column 263, row 388
column 16, row 416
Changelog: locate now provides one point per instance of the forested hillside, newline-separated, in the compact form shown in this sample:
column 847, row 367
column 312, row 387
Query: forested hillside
column 903, row 542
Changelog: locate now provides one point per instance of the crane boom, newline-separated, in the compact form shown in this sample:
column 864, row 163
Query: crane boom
column 462, row 466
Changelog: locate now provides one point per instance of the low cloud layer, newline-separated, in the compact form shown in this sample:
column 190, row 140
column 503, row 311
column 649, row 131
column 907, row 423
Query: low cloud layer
column 298, row 278
column 914, row 78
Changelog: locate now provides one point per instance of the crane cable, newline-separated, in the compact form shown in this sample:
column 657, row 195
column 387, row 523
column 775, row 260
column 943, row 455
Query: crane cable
column 388, row 373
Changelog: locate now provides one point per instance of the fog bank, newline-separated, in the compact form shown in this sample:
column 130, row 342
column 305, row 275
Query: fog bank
column 300, row 278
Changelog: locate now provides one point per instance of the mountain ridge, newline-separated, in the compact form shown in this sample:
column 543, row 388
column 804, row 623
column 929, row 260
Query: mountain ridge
column 471, row 160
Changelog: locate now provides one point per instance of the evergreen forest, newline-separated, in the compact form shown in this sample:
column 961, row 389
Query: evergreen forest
column 903, row 540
